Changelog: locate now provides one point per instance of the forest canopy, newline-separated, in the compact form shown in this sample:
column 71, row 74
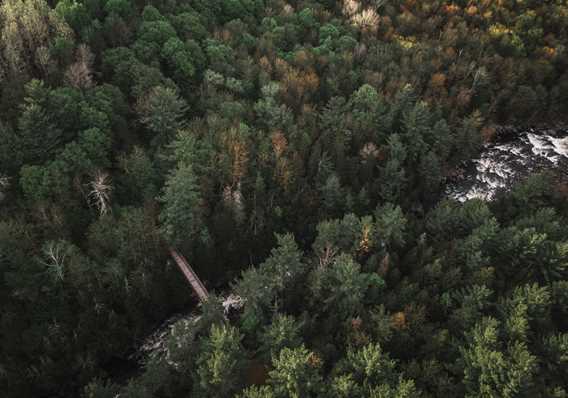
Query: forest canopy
column 296, row 153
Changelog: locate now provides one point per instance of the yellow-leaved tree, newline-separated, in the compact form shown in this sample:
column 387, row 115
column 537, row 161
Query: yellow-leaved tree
column 29, row 30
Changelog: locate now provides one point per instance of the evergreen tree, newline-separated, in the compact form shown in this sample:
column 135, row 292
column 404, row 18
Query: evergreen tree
column 296, row 373
column 220, row 363
column 182, row 216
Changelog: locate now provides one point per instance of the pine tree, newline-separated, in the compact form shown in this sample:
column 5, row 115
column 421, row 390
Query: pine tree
column 182, row 215
column 220, row 363
column 492, row 369
column 283, row 332
column 161, row 111
column 393, row 176
column 296, row 373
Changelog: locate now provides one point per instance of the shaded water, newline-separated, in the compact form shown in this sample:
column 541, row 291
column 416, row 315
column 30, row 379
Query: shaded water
column 175, row 329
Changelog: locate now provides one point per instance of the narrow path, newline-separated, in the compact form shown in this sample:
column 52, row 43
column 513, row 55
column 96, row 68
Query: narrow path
column 190, row 275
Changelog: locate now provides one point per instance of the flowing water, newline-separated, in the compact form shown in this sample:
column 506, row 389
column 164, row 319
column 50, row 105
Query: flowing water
column 514, row 157
column 173, row 330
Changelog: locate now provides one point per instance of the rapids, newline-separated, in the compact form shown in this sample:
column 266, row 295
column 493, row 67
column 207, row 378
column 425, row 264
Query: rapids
column 514, row 156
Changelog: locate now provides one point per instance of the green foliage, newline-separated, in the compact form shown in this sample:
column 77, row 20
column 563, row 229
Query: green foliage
column 369, row 372
column 219, row 363
column 339, row 288
column 182, row 216
column 393, row 175
column 296, row 373
column 492, row 370
column 39, row 133
column 283, row 332
column 161, row 111
column 74, row 13
column 257, row 392
column 141, row 179
column 299, row 150
column 277, row 277
column 390, row 225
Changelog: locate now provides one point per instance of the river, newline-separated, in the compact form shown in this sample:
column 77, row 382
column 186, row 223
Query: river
column 513, row 157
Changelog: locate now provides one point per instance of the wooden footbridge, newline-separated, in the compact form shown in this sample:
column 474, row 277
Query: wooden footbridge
column 190, row 275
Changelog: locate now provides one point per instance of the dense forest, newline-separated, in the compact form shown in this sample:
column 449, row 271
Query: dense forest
column 296, row 153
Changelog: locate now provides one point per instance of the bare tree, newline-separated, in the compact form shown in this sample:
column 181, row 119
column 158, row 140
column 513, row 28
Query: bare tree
column 4, row 182
column 55, row 254
column 351, row 7
column 79, row 74
column 99, row 192
column 327, row 256
column 364, row 18
column 233, row 199
column 367, row 19
column 4, row 185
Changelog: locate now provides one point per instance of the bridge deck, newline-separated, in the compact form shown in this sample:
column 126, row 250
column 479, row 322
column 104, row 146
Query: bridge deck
column 190, row 275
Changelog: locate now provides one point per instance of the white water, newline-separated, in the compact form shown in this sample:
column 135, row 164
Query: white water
column 501, row 165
